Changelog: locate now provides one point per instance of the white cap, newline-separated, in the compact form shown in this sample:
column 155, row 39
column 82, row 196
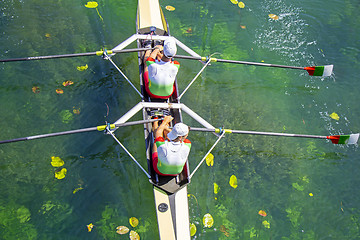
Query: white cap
column 179, row 129
column 169, row 47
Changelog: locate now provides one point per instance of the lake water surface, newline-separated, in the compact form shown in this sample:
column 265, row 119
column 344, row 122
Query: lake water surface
column 308, row 188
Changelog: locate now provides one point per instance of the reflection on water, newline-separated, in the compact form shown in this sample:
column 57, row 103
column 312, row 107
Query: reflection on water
column 306, row 187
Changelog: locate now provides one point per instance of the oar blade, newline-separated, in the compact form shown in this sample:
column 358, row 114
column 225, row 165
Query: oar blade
column 344, row 139
column 323, row 71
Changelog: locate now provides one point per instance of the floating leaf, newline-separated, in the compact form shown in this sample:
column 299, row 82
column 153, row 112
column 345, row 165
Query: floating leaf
column 243, row 27
column 77, row 189
column 47, row 35
column 241, row 5
column 224, row 230
column 216, row 188
column 68, row 83
column 90, row 227
column 210, row 160
column 61, row 174
column 306, row 179
column 234, row 1
column 262, row 213
column 133, row 221
column 122, row 230
column 192, row 229
column 134, row 235
column 56, row 161
column 59, row 91
column 233, row 181
column 35, row 89
column 76, row 111
column 23, row 214
column 208, row 220
column 266, row 224
column 273, row 16
column 298, row 187
column 82, row 68
column 170, row 8
column 66, row 116
column 91, row 4
column 334, row 116
column 311, row 195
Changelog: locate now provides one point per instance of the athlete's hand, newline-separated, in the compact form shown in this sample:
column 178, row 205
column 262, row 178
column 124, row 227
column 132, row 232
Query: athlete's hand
column 168, row 119
column 160, row 47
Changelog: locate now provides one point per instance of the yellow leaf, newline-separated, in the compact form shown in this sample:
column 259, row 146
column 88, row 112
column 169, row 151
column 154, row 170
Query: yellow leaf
column 61, row 174
column 68, row 83
column 56, row 161
column 241, row 5
column 208, row 220
column 170, row 8
column 91, row 5
column 233, row 181
column 266, row 224
column 216, row 188
column 234, row 1
column 133, row 221
column 90, row 227
column 47, row 35
column 192, row 229
column 273, row 16
column 134, row 235
column 77, row 189
column 210, row 160
column 76, row 111
column 262, row 213
column 334, row 116
column 35, row 89
column 59, row 91
column 311, row 195
column 82, row 68
column 122, row 230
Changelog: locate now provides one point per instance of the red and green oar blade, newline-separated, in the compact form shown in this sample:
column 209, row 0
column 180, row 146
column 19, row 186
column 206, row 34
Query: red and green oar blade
column 323, row 71
column 344, row 139
column 336, row 139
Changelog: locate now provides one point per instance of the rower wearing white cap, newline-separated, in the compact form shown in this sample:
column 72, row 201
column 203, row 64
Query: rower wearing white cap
column 171, row 149
column 160, row 71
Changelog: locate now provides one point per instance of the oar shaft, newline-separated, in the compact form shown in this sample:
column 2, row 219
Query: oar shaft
column 257, row 133
column 98, row 53
column 257, row 64
column 90, row 129
column 236, row 62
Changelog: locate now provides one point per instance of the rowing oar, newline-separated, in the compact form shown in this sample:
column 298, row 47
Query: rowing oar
column 97, row 53
column 336, row 139
column 323, row 71
column 90, row 129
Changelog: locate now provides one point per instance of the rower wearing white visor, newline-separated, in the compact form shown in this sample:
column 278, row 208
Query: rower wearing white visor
column 160, row 71
column 171, row 147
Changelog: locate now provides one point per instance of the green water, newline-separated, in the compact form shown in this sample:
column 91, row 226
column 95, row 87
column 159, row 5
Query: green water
column 274, row 174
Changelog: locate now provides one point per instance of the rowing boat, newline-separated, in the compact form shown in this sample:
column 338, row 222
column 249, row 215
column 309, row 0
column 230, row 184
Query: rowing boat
column 170, row 193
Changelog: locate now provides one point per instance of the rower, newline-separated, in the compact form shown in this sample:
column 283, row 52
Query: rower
column 171, row 148
column 160, row 71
